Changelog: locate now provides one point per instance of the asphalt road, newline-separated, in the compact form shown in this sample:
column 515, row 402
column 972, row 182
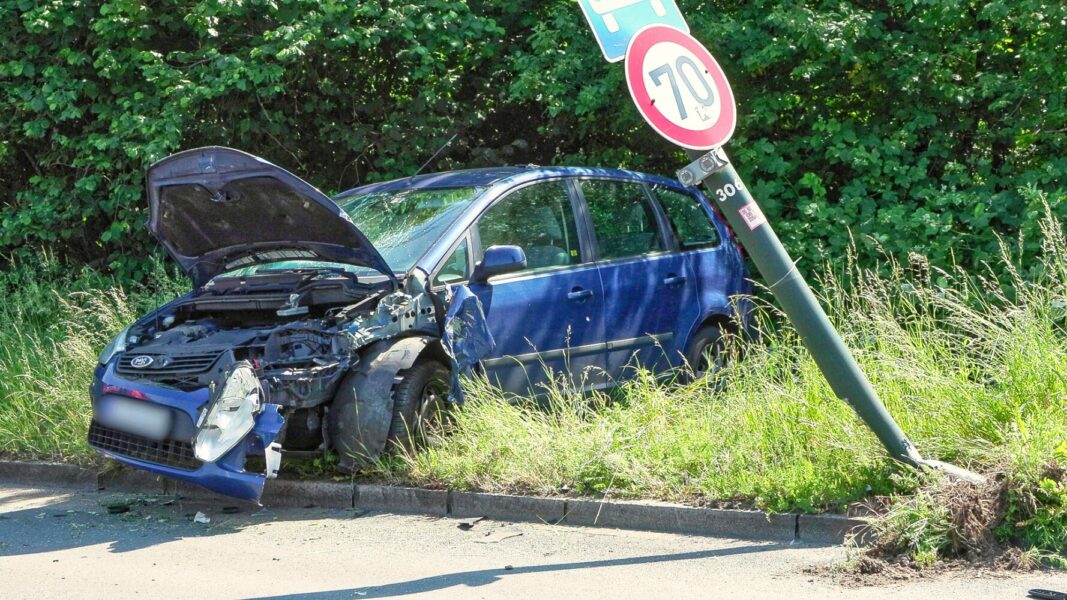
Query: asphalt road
column 58, row 543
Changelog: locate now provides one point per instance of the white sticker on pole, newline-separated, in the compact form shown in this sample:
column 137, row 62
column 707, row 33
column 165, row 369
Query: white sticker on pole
column 752, row 215
column 679, row 88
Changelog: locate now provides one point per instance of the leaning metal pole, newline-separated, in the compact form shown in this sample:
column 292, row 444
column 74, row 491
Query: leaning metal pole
column 834, row 359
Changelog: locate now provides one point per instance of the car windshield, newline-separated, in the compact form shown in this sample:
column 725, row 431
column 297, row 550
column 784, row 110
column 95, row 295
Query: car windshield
column 402, row 225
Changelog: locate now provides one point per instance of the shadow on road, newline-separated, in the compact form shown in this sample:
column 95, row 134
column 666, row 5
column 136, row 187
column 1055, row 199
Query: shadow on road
column 487, row 576
column 41, row 521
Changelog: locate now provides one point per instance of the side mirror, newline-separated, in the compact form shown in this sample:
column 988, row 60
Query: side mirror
column 497, row 261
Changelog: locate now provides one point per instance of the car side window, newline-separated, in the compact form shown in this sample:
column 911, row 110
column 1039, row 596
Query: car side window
column 623, row 218
column 688, row 219
column 537, row 218
column 456, row 267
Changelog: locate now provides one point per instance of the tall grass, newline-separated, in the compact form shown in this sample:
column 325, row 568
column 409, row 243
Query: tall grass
column 974, row 368
column 53, row 324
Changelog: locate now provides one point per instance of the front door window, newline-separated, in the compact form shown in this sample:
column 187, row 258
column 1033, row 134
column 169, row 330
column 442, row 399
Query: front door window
column 548, row 321
column 538, row 219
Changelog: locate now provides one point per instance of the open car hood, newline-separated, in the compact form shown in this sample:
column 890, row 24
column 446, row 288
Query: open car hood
column 215, row 209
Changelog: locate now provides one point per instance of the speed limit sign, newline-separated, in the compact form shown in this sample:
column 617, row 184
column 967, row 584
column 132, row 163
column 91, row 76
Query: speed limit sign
column 679, row 88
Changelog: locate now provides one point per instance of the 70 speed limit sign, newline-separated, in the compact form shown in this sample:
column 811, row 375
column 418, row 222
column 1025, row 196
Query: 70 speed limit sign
column 679, row 88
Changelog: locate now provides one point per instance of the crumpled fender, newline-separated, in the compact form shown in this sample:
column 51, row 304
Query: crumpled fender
column 363, row 406
column 465, row 337
column 232, row 479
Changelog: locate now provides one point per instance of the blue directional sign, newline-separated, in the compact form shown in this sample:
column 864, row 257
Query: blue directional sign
column 615, row 22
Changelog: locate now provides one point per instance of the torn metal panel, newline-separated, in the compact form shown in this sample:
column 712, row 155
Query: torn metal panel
column 398, row 313
column 228, row 475
column 173, row 456
column 466, row 337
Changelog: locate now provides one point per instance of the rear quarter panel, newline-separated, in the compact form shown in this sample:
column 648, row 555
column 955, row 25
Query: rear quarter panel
column 720, row 274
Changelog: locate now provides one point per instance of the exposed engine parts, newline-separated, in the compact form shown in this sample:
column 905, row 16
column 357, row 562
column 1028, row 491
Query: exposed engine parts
column 300, row 359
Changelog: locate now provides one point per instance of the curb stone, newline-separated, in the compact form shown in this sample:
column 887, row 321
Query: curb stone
column 51, row 473
column 287, row 493
column 401, row 499
column 649, row 516
column 188, row 491
column 131, row 480
column 304, row 494
column 508, row 508
column 832, row 529
column 671, row 518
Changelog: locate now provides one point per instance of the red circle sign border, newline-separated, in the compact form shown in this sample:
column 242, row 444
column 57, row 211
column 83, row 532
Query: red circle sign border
column 723, row 128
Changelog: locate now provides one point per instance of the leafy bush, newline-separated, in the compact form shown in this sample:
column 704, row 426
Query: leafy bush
column 910, row 124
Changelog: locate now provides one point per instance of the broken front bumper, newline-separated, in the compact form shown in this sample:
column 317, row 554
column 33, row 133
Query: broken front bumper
column 173, row 455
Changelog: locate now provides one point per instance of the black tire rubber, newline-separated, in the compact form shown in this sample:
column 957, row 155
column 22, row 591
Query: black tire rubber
column 709, row 336
column 418, row 398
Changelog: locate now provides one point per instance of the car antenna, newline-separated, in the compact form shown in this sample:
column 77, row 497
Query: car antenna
column 436, row 154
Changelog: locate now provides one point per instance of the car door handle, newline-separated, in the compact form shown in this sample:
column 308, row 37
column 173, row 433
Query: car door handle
column 578, row 294
column 674, row 280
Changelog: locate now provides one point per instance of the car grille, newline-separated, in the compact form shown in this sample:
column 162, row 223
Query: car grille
column 176, row 370
column 172, row 453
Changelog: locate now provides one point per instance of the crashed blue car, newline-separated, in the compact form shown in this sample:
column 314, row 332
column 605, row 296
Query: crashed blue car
column 320, row 324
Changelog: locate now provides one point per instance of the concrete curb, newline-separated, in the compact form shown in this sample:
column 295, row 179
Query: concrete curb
column 50, row 473
column 673, row 518
column 401, row 500
column 508, row 508
column 645, row 516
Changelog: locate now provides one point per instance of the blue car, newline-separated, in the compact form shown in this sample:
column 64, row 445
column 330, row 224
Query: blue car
column 320, row 324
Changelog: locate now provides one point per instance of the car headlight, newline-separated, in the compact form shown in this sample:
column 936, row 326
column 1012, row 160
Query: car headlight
column 118, row 344
column 231, row 416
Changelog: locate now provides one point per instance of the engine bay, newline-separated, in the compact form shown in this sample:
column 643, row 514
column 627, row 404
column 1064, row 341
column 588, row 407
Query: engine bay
column 301, row 330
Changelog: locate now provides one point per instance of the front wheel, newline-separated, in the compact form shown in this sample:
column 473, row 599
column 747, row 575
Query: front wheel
column 419, row 402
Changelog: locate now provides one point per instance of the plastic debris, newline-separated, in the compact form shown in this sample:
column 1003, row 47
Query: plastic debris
column 498, row 536
column 468, row 524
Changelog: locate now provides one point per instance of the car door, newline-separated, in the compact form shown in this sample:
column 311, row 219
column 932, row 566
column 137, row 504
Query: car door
column 547, row 319
column 713, row 266
column 648, row 288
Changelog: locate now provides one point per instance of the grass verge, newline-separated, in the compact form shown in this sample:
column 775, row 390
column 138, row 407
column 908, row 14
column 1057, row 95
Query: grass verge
column 53, row 324
column 974, row 368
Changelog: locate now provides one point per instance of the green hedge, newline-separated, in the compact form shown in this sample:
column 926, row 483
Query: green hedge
column 916, row 125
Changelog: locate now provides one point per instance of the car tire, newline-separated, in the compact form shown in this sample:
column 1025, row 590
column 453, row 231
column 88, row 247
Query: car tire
column 705, row 352
column 419, row 401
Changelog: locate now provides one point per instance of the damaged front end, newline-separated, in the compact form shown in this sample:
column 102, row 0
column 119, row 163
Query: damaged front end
column 292, row 304
column 213, row 394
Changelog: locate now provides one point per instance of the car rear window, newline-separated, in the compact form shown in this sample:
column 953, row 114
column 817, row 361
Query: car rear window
column 623, row 218
column 688, row 219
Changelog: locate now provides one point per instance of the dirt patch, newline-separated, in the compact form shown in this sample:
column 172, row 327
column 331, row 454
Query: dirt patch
column 865, row 570
column 945, row 528
column 974, row 510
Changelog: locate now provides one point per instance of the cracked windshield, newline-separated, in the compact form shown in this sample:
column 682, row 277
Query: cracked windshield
column 403, row 224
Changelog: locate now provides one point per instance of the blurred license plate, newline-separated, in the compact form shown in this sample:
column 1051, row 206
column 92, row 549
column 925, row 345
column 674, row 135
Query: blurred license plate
column 134, row 416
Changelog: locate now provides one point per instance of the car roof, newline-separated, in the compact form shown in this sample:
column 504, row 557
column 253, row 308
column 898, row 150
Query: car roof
column 486, row 177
